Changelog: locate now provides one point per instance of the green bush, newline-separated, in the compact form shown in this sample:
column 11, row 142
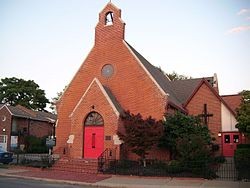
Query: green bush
column 174, row 167
column 219, row 159
column 242, row 155
column 242, row 162
column 215, row 147
column 35, row 144
column 240, row 146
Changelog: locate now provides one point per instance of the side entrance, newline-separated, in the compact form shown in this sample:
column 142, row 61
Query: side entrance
column 93, row 143
column 230, row 140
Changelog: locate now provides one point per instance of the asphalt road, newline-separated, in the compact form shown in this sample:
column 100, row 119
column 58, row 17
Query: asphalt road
column 7, row 182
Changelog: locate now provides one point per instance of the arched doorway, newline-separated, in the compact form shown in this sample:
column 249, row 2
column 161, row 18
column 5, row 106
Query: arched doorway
column 93, row 135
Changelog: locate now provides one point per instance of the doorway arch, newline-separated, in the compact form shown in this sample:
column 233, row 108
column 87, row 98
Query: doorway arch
column 93, row 135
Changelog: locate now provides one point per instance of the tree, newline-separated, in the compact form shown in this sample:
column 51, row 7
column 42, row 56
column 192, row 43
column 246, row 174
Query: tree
column 243, row 114
column 182, row 136
column 55, row 100
column 140, row 135
column 14, row 91
column 174, row 76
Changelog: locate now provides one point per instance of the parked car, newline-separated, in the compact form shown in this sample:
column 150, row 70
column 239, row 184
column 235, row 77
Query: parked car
column 5, row 157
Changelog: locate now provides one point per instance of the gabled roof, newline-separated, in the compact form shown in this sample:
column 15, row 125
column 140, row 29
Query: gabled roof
column 161, row 79
column 208, row 84
column 185, row 88
column 233, row 101
column 23, row 112
column 180, row 92
column 107, row 94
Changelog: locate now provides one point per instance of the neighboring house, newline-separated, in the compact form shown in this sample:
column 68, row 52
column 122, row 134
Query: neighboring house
column 114, row 77
column 16, row 122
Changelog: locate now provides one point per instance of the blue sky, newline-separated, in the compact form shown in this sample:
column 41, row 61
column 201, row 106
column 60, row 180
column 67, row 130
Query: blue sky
column 47, row 40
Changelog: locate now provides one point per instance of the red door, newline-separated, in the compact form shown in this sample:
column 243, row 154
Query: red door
column 230, row 142
column 93, row 141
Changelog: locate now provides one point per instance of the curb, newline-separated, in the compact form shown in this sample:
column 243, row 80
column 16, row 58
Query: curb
column 52, row 180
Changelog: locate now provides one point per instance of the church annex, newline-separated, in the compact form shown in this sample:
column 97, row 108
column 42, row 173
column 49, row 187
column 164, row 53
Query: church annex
column 115, row 77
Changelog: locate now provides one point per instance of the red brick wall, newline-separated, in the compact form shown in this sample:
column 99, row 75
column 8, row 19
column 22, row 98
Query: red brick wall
column 5, row 124
column 40, row 129
column 94, row 97
column 130, row 84
column 196, row 106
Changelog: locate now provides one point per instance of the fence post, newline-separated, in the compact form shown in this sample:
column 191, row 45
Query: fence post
column 17, row 158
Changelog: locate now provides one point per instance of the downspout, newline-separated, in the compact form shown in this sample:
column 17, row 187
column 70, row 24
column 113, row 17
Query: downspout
column 28, row 131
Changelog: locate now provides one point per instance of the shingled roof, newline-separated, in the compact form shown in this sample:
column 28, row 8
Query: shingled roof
column 178, row 91
column 233, row 101
column 23, row 112
column 161, row 79
column 185, row 88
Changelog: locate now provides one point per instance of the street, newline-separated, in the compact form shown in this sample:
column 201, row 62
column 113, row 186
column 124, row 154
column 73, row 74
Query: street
column 9, row 182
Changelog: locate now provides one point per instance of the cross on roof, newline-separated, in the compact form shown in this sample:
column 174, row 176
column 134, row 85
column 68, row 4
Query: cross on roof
column 205, row 115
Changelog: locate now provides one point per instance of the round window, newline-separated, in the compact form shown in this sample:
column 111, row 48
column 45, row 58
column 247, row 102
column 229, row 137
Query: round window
column 107, row 70
column 3, row 118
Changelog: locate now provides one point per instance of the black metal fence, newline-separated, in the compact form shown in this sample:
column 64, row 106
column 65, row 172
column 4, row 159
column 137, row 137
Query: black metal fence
column 228, row 170
column 200, row 169
column 34, row 160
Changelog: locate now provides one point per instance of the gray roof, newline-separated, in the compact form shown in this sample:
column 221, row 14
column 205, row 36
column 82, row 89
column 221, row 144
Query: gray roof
column 113, row 99
column 16, row 111
column 185, row 88
column 22, row 112
column 179, row 91
column 160, row 78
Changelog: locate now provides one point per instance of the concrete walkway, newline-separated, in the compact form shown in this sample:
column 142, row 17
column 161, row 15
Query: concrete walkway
column 118, row 181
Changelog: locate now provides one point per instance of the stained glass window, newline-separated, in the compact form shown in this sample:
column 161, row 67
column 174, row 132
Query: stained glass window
column 94, row 118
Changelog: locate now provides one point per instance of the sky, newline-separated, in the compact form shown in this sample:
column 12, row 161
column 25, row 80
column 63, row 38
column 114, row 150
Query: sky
column 47, row 40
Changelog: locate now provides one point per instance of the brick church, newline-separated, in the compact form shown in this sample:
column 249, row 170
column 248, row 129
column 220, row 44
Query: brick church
column 115, row 77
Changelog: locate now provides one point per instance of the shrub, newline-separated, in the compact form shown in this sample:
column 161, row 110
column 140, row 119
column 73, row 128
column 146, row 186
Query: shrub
column 240, row 146
column 219, row 159
column 215, row 147
column 242, row 162
column 174, row 167
column 35, row 144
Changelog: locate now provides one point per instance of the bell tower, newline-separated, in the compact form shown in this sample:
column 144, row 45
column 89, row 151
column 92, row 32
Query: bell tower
column 110, row 26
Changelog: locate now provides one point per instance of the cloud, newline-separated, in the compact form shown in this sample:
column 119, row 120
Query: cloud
column 239, row 29
column 248, row 18
column 243, row 11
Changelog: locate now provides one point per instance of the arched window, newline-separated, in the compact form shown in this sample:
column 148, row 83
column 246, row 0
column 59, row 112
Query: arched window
column 94, row 118
column 109, row 18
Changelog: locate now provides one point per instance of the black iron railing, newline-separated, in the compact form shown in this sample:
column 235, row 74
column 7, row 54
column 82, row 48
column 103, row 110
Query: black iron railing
column 200, row 169
column 104, row 159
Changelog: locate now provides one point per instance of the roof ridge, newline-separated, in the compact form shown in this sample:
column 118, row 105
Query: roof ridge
column 189, row 79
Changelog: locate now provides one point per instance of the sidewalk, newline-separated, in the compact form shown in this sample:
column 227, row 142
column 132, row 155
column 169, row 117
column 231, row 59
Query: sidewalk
column 101, row 180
